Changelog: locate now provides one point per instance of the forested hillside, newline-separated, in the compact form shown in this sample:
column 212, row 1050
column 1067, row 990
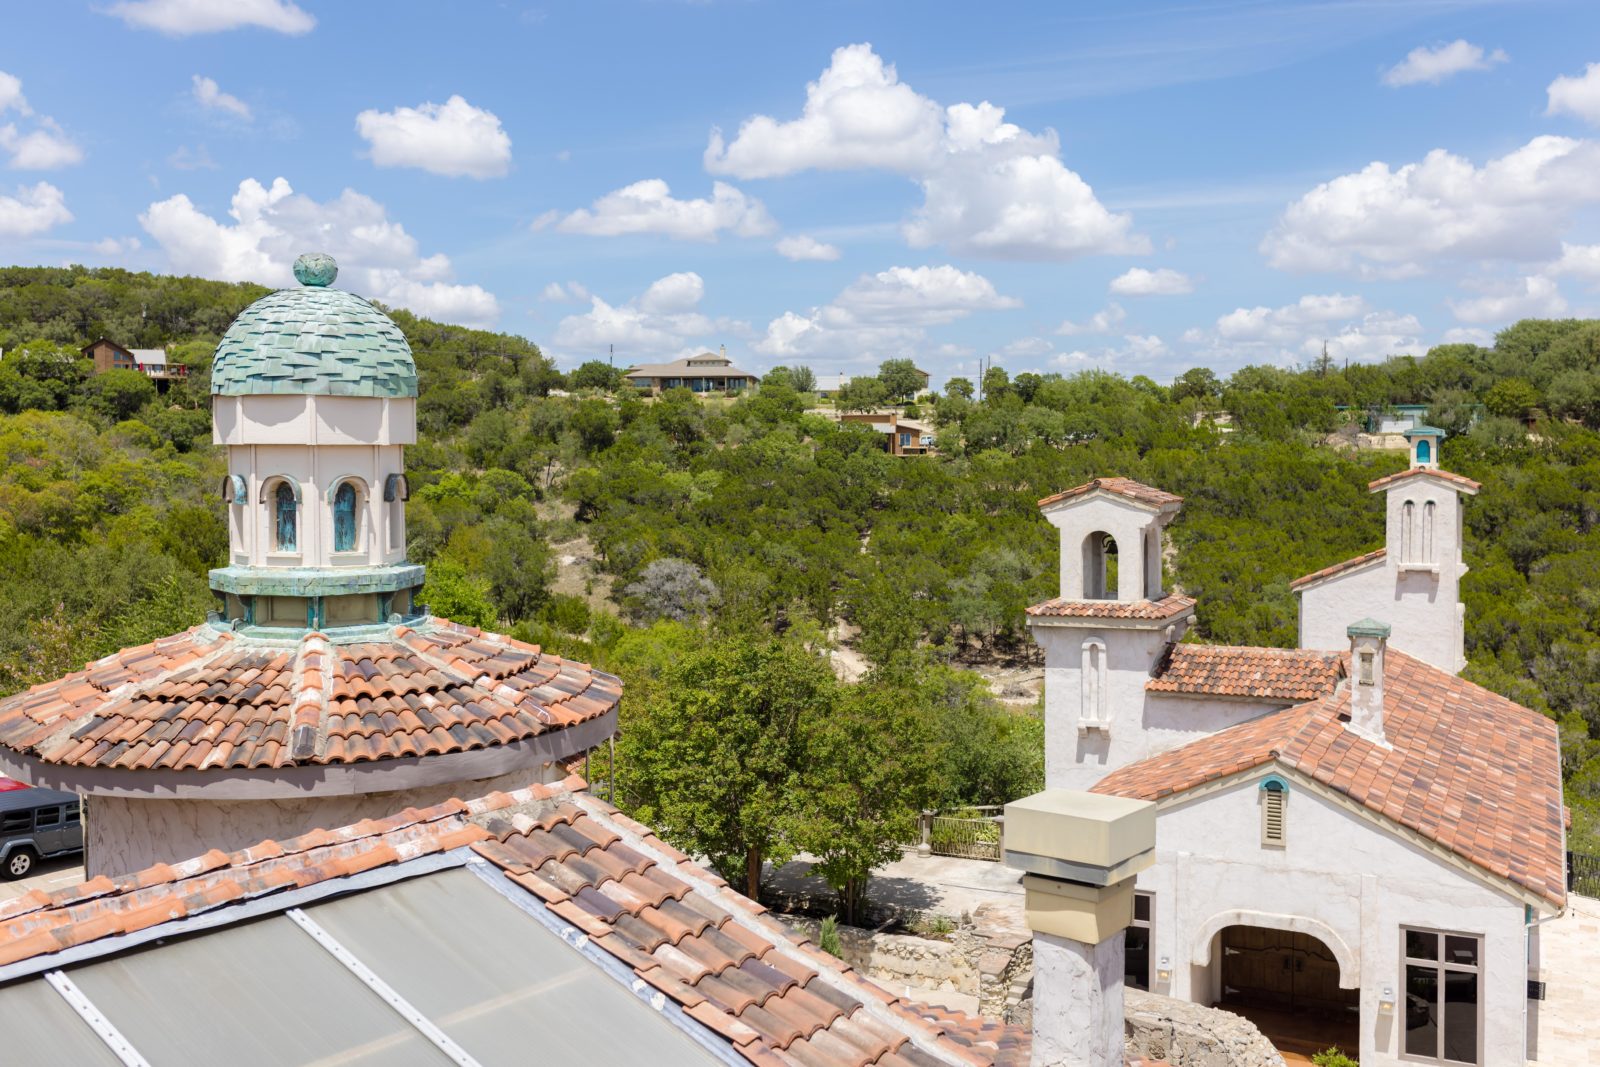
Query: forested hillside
column 729, row 523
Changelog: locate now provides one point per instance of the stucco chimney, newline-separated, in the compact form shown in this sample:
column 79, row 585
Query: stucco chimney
column 1080, row 852
column 1369, row 640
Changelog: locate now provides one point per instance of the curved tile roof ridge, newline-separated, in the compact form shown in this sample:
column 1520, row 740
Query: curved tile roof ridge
column 1126, row 487
column 1467, row 768
column 1458, row 480
column 1169, row 606
column 209, row 698
column 1339, row 568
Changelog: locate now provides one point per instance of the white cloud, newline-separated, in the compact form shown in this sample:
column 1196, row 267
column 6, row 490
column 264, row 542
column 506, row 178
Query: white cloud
column 1397, row 223
column 1577, row 95
column 1434, row 65
column 210, row 96
column 921, row 295
column 857, row 115
column 1532, row 297
column 1582, row 261
column 186, row 158
column 181, row 18
column 1106, row 320
column 11, row 94
column 271, row 226
column 882, row 315
column 676, row 292
column 32, row 210
column 1145, row 347
column 454, row 139
column 1378, row 335
column 989, row 187
column 117, row 246
column 1467, row 335
column 1164, row 281
column 1025, row 348
column 649, row 207
column 801, row 247
column 662, row 323
column 1286, row 324
column 1296, row 333
column 46, row 147
column 571, row 292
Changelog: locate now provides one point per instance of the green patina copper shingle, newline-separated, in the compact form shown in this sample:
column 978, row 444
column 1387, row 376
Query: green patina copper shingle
column 319, row 341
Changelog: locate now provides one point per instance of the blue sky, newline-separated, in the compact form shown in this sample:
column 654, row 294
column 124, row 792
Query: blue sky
column 1142, row 186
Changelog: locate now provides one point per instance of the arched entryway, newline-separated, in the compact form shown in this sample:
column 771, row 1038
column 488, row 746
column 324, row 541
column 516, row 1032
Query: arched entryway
column 1288, row 983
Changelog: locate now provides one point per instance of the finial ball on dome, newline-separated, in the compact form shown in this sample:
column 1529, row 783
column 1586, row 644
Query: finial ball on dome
column 316, row 268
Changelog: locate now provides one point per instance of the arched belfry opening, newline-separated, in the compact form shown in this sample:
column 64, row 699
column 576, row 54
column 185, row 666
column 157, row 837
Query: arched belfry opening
column 1100, row 571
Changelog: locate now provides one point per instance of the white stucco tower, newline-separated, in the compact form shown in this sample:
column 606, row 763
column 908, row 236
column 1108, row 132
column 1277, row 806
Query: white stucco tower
column 1416, row 576
column 1105, row 633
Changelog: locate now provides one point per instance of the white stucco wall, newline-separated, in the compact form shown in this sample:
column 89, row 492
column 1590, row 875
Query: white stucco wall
column 317, row 469
column 1337, row 874
column 1136, row 531
column 1141, row 724
column 125, row 835
column 1415, row 588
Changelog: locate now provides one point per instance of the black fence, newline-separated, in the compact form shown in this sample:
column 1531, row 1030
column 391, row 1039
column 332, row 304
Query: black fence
column 1583, row 874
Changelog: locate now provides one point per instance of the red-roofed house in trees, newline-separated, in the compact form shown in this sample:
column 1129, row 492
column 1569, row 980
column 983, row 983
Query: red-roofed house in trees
column 1350, row 839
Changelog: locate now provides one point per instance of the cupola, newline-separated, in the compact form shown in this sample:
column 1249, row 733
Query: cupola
column 320, row 692
column 1424, row 442
column 314, row 395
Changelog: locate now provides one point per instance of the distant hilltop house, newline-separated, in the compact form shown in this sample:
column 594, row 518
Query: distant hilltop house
column 902, row 436
column 705, row 373
column 151, row 362
column 830, row 384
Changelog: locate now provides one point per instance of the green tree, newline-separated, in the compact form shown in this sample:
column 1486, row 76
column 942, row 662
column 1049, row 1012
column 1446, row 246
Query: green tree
column 120, row 394
column 1511, row 398
column 861, row 394
column 901, row 379
column 958, row 387
column 803, row 380
column 596, row 375
column 717, row 763
column 452, row 593
column 872, row 764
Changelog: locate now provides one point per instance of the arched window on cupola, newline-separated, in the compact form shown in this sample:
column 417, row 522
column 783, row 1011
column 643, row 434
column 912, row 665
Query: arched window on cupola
column 1408, row 532
column 344, row 517
column 1424, row 452
column 285, row 518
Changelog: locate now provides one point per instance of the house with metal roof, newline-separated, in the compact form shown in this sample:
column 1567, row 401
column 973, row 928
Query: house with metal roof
column 1353, row 845
column 706, row 373
column 153, row 363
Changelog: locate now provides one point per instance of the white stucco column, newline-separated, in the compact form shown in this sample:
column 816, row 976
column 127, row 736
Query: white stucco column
column 1080, row 852
column 1077, row 1001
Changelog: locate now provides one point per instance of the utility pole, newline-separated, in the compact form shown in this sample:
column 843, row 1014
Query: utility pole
column 611, row 358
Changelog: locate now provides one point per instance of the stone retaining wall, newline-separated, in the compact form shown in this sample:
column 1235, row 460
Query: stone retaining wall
column 1192, row 1035
column 900, row 960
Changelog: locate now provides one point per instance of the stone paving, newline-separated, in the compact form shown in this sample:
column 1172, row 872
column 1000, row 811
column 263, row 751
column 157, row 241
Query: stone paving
column 1569, row 1017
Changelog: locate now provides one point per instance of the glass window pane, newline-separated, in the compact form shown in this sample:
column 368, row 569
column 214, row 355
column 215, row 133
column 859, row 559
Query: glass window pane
column 1462, row 951
column 38, row 1028
column 260, row 994
column 1461, row 1016
column 1141, row 907
column 48, row 817
column 1421, row 945
column 495, row 980
column 1422, row 1012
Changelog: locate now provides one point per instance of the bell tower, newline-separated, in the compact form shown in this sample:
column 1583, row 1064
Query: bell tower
column 1103, row 636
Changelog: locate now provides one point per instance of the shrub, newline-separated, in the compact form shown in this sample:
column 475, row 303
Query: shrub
column 1332, row 1057
column 828, row 938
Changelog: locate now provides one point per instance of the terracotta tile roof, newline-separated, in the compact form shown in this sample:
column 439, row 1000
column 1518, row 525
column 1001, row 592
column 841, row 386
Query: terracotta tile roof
column 1171, row 605
column 213, row 699
column 1291, row 675
column 1433, row 472
column 777, row 1000
column 1467, row 768
column 1137, row 491
column 1339, row 568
